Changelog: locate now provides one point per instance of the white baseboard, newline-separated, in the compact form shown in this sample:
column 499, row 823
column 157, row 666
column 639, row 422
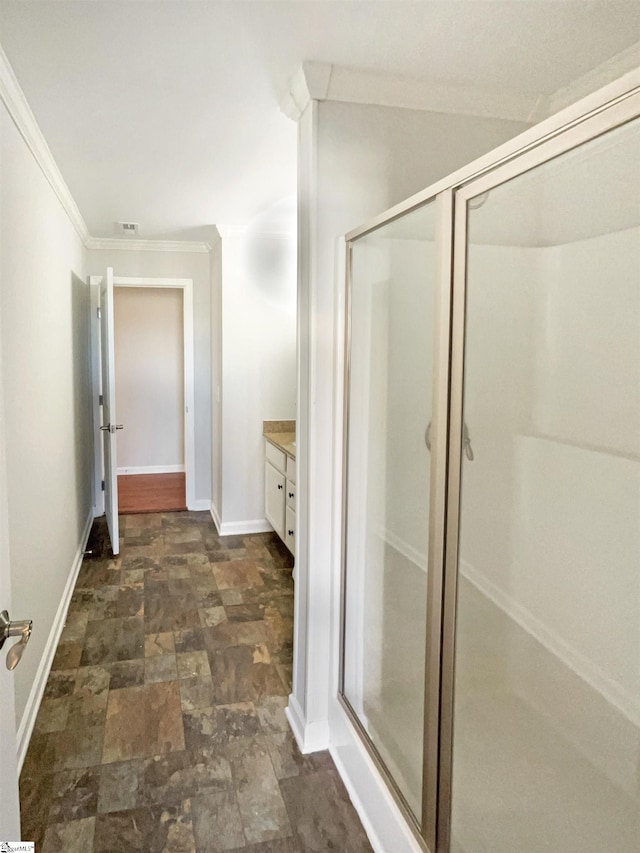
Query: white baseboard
column 384, row 823
column 215, row 515
column 25, row 729
column 153, row 469
column 559, row 648
column 238, row 528
column 200, row 505
column 310, row 737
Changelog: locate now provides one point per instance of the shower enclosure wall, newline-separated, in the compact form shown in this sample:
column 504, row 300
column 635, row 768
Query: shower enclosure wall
column 490, row 642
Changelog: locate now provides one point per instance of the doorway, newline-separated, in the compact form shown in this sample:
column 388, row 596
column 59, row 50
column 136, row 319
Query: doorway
column 149, row 369
column 153, row 376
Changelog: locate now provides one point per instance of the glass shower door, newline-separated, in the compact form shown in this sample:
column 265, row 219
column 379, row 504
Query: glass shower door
column 388, row 473
column 546, row 723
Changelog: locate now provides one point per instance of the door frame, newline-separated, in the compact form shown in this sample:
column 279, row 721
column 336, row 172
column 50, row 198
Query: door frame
column 186, row 286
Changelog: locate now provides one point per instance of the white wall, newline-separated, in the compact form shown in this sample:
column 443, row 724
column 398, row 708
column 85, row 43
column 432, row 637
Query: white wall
column 194, row 265
column 149, row 361
column 258, row 364
column 47, row 403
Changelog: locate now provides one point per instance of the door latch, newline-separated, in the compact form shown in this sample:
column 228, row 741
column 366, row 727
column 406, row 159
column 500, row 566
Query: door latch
column 21, row 629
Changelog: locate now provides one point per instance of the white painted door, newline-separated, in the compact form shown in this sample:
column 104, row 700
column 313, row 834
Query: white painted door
column 109, row 426
column 9, row 805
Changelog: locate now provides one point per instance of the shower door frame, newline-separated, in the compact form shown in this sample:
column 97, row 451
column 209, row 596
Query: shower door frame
column 612, row 106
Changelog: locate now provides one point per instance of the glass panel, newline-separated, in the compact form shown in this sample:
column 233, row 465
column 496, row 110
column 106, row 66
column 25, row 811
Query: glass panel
column 392, row 297
column 547, row 684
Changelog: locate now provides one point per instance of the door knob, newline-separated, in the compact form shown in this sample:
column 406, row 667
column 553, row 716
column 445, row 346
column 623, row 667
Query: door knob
column 21, row 629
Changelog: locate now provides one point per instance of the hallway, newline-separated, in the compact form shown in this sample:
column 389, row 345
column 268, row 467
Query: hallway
column 162, row 728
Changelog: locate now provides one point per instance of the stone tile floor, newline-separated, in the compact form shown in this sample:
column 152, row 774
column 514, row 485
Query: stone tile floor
column 162, row 727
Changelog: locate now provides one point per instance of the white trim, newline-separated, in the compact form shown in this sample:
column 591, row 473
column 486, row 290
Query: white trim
column 186, row 285
column 215, row 515
column 609, row 70
column 28, row 720
column 124, row 244
column 200, row 505
column 243, row 528
column 320, row 81
column 310, row 737
column 18, row 108
column 381, row 818
column 402, row 547
column 153, row 469
column 559, row 648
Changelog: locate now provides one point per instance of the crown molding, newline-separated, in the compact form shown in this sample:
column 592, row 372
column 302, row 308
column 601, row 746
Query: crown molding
column 320, row 81
column 248, row 232
column 14, row 100
column 124, row 244
column 608, row 71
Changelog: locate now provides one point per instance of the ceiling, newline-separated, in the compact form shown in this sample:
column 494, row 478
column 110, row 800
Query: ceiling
column 166, row 113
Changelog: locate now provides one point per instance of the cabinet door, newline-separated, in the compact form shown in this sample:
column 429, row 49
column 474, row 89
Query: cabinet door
column 274, row 498
column 290, row 530
column 291, row 494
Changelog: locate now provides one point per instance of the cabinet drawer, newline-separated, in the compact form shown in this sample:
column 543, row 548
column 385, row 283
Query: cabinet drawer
column 278, row 458
column 274, row 484
column 291, row 494
column 291, row 469
column 290, row 530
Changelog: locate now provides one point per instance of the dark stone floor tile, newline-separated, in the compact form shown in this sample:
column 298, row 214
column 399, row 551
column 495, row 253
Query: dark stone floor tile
column 219, row 724
column 322, row 814
column 35, row 797
column 92, row 680
column 62, row 682
column 262, row 808
column 93, row 602
column 159, row 644
column 127, row 673
column 41, row 755
column 143, row 721
column 236, row 574
column 145, row 830
column 74, row 794
column 193, row 664
column 229, row 634
column 241, row 675
column 211, row 617
column 113, row 640
column 279, row 845
column 271, row 713
column 87, row 711
column 67, row 656
column 288, row 761
column 170, row 605
column 74, row 836
column 189, row 639
column 99, row 573
column 75, row 627
column 161, row 668
column 78, row 748
column 130, row 602
column 217, row 825
column 174, row 777
column 196, row 693
column 232, row 542
column 53, row 715
column 245, row 612
column 119, row 786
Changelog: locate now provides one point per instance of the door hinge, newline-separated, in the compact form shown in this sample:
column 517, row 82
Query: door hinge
column 102, row 487
column 99, row 313
column 100, row 399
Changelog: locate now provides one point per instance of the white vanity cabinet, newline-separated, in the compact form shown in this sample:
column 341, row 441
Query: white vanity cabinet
column 280, row 493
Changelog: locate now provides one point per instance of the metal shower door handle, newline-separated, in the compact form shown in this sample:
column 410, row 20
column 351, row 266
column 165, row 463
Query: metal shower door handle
column 466, row 438
column 21, row 629
column 111, row 427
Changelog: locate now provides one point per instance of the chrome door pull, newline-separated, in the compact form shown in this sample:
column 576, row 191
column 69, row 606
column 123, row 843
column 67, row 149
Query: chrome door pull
column 106, row 428
column 9, row 629
column 468, row 450
column 119, row 426
column 112, row 427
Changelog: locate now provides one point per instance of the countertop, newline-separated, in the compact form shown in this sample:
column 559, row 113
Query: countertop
column 282, row 434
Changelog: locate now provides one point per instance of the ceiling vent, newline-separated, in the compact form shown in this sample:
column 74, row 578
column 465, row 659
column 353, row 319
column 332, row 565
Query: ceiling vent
column 128, row 229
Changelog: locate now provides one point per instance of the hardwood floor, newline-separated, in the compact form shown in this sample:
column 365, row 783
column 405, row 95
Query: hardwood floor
column 151, row 493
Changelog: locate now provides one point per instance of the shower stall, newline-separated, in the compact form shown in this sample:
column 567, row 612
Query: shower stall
column 490, row 649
